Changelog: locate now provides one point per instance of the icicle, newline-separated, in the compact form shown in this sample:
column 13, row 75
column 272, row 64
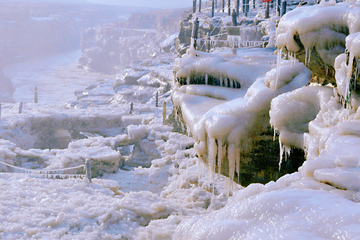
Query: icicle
column 232, row 160
column 227, row 186
column 220, row 156
column 274, row 135
column 237, row 161
column 278, row 62
column 283, row 150
column 206, row 79
column 306, row 55
column 221, row 81
column 309, row 56
column 188, row 80
column 212, row 149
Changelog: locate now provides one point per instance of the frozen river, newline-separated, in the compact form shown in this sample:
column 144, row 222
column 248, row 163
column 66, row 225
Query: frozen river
column 56, row 78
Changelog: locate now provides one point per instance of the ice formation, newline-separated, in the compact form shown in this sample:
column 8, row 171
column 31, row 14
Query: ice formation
column 225, row 121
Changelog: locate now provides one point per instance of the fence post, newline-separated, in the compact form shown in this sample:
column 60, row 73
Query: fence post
column 164, row 112
column 88, row 169
column 283, row 8
column 212, row 8
column 237, row 7
column 194, row 6
column 131, row 107
column 233, row 17
column 229, row 8
column 36, row 95
column 278, row 3
column 247, row 6
column 20, row 107
column 223, row 5
column 267, row 10
column 195, row 31
column 157, row 99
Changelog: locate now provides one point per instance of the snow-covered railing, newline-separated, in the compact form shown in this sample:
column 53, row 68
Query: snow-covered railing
column 228, row 43
column 50, row 173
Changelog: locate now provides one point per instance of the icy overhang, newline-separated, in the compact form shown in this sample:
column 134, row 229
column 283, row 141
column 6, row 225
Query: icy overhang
column 317, row 33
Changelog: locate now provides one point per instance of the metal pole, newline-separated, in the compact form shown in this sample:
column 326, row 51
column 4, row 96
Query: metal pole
column 229, row 9
column 283, row 8
column 208, row 43
column 194, row 6
column 199, row 5
column 36, row 95
column 237, row 7
column 278, row 3
column 131, row 107
column 157, row 99
column 20, row 107
column 88, row 169
column 213, row 8
column 195, row 31
column 233, row 17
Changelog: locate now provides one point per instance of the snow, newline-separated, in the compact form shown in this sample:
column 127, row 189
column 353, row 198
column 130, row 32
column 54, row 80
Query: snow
column 151, row 183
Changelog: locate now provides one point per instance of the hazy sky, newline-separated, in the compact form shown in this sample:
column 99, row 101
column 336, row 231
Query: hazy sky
column 148, row 3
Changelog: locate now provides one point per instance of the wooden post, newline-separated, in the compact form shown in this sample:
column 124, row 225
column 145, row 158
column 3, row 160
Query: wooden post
column 233, row 17
column 237, row 7
column 20, row 107
column 194, row 6
column 131, row 107
column 88, row 169
column 164, row 112
column 278, row 3
column 195, row 31
column 157, row 99
column 229, row 8
column 199, row 5
column 283, row 8
column 36, row 95
column 212, row 8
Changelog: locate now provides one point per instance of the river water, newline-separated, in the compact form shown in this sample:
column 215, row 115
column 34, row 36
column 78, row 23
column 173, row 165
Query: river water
column 56, row 78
